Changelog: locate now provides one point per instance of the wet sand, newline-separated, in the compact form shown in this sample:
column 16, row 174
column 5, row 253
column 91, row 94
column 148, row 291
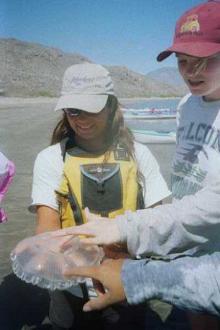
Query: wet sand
column 25, row 129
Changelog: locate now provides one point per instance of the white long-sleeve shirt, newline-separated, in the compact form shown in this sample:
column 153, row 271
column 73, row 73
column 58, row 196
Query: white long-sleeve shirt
column 193, row 221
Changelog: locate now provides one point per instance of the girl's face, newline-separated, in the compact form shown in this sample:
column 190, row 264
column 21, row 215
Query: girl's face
column 88, row 126
column 202, row 82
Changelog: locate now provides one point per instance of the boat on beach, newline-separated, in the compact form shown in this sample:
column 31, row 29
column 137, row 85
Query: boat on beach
column 152, row 125
column 151, row 113
column 149, row 136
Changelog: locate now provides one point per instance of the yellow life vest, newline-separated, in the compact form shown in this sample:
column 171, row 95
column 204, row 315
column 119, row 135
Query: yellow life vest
column 107, row 188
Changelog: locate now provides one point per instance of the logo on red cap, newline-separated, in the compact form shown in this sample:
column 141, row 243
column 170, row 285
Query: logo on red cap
column 197, row 32
column 191, row 24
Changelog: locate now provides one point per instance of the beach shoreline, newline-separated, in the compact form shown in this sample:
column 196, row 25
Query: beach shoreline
column 5, row 100
column 153, row 98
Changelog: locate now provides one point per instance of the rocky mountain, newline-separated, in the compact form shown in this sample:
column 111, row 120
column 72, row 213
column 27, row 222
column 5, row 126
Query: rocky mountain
column 29, row 69
column 132, row 84
column 170, row 76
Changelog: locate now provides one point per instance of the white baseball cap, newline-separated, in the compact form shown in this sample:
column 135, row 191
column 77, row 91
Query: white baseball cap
column 85, row 87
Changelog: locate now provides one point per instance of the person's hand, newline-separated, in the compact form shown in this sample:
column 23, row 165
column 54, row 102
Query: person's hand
column 98, row 230
column 108, row 276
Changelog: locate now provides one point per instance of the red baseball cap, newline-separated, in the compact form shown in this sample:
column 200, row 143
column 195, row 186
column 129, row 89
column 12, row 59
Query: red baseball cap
column 197, row 32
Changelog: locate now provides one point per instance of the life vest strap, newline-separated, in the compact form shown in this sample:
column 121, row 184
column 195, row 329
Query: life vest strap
column 75, row 207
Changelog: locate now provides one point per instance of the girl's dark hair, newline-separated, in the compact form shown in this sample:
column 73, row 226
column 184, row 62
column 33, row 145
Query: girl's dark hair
column 61, row 131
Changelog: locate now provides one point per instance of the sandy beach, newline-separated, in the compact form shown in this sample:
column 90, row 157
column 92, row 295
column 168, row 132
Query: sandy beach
column 25, row 129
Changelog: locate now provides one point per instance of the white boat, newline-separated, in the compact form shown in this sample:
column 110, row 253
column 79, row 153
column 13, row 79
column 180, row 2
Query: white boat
column 149, row 113
column 139, row 117
column 151, row 125
column 149, row 136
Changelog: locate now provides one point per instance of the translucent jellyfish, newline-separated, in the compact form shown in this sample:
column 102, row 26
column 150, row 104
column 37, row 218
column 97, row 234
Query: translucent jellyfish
column 41, row 260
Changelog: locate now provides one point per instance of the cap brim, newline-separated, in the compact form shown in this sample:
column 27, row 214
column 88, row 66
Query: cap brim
column 89, row 103
column 197, row 49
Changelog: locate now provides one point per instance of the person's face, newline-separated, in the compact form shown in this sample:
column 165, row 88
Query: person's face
column 88, row 126
column 204, row 82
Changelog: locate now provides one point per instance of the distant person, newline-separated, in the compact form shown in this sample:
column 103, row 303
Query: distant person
column 7, row 171
column 93, row 161
column 196, row 164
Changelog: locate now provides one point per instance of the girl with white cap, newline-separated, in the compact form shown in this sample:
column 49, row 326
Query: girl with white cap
column 94, row 162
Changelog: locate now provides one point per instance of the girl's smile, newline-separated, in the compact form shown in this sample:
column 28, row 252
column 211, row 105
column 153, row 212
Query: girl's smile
column 89, row 128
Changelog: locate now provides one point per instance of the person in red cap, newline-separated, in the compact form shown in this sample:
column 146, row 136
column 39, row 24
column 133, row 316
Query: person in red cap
column 191, row 222
column 196, row 45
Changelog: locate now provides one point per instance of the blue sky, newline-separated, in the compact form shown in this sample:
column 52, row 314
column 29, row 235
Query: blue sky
column 110, row 32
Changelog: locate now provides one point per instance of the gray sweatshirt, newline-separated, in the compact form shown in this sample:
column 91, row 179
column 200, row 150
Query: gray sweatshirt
column 185, row 226
column 188, row 282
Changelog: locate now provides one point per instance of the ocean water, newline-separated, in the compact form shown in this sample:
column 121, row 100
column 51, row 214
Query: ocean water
column 159, row 125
